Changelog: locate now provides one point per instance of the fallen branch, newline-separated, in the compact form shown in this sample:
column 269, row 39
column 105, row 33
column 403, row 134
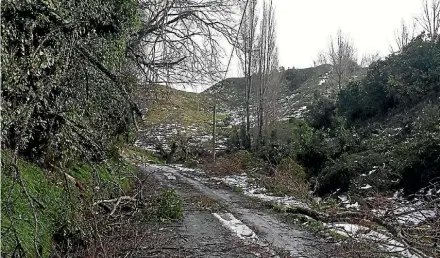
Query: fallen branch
column 393, row 230
column 122, row 198
column 103, row 203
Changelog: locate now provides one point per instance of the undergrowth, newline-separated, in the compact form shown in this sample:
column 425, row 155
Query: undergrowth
column 170, row 206
column 43, row 210
column 140, row 156
column 22, row 233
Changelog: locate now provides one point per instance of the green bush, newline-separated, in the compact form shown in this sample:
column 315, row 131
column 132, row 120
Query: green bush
column 423, row 167
column 414, row 72
column 322, row 113
column 244, row 159
column 300, row 142
column 401, row 80
column 365, row 98
column 338, row 174
column 416, row 159
column 170, row 206
column 313, row 151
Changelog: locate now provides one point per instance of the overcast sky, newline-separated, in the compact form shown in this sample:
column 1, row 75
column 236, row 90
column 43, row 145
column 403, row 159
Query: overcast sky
column 305, row 26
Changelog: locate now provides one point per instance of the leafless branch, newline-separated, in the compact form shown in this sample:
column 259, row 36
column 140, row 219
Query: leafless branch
column 429, row 20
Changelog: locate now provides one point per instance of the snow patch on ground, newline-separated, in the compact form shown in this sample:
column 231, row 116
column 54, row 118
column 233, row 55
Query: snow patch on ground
column 385, row 242
column 354, row 205
column 412, row 213
column 298, row 113
column 413, row 216
column 365, row 187
column 164, row 135
column 170, row 176
column 249, row 189
column 239, row 228
column 343, row 199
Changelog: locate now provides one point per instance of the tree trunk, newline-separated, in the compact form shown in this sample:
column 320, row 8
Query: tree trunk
column 214, row 125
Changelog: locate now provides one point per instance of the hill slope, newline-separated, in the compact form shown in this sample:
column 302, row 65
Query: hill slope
column 172, row 115
column 297, row 87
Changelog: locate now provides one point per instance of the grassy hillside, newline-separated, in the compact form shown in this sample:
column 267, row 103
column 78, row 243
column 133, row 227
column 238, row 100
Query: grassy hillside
column 180, row 119
column 168, row 105
column 296, row 89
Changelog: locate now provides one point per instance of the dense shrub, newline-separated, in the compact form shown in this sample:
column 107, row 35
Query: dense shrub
column 401, row 80
column 338, row 174
column 233, row 163
column 366, row 98
column 290, row 178
column 322, row 112
column 297, row 140
column 61, row 67
column 416, row 158
column 423, row 167
column 414, row 73
column 313, row 152
column 403, row 152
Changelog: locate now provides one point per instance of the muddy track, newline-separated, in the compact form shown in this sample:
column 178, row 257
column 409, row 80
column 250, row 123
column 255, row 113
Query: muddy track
column 210, row 208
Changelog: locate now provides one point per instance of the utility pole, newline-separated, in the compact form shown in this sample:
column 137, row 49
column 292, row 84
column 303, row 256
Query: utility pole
column 214, row 125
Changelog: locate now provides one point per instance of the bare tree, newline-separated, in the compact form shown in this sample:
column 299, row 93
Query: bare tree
column 429, row 20
column 403, row 36
column 368, row 59
column 320, row 59
column 247, row 57
column 271, row 102
column 267, row 69
column 178, row 42
column 342, row 55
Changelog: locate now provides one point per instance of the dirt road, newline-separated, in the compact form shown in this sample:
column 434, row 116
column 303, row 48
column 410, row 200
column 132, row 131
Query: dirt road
column 219, row 222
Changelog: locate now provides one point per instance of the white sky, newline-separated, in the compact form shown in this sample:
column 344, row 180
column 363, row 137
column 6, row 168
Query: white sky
column 305, row 26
